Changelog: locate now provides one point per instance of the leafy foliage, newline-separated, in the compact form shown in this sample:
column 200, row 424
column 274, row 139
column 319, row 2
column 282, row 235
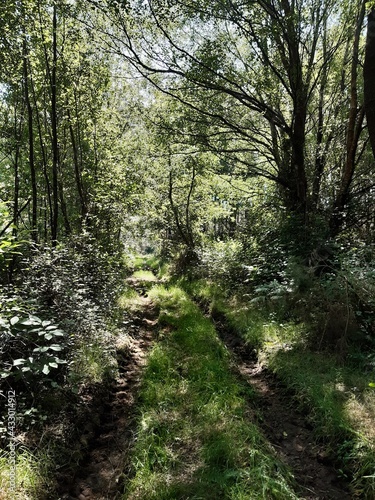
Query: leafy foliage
column 23, row 333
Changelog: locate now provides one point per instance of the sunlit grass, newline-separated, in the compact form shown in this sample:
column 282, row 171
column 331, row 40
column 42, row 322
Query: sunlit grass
column 92, row 364
column 129, row 300
column 194, row 438
column 144, row 275
column 148, row 262
column 33, row 475
column 341, row 408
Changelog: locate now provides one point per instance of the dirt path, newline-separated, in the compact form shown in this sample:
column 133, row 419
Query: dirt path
column 101, row 473
column 285, row 427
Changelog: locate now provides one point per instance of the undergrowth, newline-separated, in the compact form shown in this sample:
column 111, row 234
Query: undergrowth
column 59, row 323
column 195, row 438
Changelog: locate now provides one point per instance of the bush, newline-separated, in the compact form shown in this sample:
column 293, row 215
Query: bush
column 56, row 319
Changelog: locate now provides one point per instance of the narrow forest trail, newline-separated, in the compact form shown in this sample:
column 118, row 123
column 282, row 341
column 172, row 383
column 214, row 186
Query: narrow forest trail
column 285, row 427
column 106, row 466
column 100, row 474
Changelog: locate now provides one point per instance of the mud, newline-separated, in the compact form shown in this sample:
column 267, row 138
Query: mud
column 101, row 473
column 105, row 466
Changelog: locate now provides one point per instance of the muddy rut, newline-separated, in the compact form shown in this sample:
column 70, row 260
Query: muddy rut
column 286, row 428
column 102, row 471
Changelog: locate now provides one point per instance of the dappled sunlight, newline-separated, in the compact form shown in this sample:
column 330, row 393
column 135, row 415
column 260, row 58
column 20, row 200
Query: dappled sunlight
column 360, row 410
column 193, row 438
column 187, row 245
column 144, row 275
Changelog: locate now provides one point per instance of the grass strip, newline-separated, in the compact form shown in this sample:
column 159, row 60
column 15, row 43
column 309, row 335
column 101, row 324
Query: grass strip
column 195, row 438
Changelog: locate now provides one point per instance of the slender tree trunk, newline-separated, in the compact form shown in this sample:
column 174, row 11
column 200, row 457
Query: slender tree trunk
column 20, row 210
column 34, row 205
column 16, row 189
column 77, row 170
column 16, row 195
column 355, row 122
column 176, row 215
column 319, row 155
column 64, row 210
column 48, row 207
column 55, row 145
column 189, row 229
column 369, row 78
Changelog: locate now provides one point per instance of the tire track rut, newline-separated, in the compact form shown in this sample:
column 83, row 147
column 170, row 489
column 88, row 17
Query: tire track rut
column 102, row 472
column 285, row 427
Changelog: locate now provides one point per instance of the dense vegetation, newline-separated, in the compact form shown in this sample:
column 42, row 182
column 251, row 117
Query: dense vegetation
column 234, row 142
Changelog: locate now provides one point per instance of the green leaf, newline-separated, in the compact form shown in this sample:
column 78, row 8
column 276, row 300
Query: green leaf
column 61, row 361
column 55, row 347
column 59, row 333
column 31, row 321
column 372, row 384
column 53, row 364
column 46, row 369
column 19, row 361
column 14, row 320
column 41, row 349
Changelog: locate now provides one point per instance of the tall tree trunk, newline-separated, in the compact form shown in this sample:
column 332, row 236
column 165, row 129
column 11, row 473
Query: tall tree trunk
column 55, row 145
column 320, row 149
column 176, row 214
column 297, row 181
column 189, row 229
column 298, row 192
column 369, row 78
column 34, row 205
column 16, row 189
column 47, row 208
column 16, row 193
column 77, row 170
column 355, row 122
column 64, row 210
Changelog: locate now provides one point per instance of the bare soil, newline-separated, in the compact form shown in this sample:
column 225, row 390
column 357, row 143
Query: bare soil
column 100, row 475
column 285, row 427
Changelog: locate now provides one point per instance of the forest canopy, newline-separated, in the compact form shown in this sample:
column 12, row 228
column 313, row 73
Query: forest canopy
column 274, row 91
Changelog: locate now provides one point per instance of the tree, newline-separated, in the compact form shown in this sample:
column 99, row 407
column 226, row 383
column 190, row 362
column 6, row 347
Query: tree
column 53, row 88
column 369, row 76
column 264, row 81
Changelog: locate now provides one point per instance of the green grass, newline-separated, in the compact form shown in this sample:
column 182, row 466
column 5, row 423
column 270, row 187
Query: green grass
column 149, row 262
column 33, row 474
column 92, row 364
column 144, row 275
column 336, row 396
column 341, row 408
column 195, row 438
